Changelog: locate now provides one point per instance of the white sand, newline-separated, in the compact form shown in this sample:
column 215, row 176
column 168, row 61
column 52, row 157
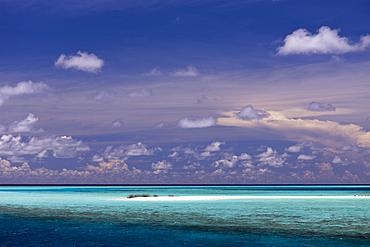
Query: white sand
column 213, row 198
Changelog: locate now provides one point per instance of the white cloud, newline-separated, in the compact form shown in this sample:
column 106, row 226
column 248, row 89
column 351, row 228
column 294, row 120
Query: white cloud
column 153, row 72
column 214, row 146
column 299, row 146
column 125, row 151
column 24, row 87
column 326, row 41
column 306, row 157
column 316, row 106
column 82, row 61
column 224, row 163
column 188, row 123
column 25, row 125
column 159, row 125
column 244, row 156
column 161, row 165
column 326, row 132
column 271, row 158
column 248, row 113
column 60, row 146
column 191, row 71
column 142, row 93
column 117, row 123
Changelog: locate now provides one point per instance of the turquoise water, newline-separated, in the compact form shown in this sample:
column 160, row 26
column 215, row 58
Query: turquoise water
column 90, row 216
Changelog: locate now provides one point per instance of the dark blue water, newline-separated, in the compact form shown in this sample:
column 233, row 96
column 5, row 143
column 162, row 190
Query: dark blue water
column 89, row 216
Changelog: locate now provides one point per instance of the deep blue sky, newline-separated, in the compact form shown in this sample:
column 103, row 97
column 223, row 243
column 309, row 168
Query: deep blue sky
column 113, row 85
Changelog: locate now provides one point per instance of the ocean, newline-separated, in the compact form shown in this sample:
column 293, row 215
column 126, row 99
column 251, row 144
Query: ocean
column 95, row 216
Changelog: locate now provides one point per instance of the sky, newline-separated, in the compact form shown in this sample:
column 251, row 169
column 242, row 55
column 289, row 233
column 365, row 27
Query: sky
column 184, row 92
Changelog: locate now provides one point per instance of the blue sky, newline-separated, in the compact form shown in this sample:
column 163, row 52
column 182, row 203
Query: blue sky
column 184, row 92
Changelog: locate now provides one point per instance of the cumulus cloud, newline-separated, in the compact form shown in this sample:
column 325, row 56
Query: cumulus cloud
column 59, row 146
column 248, row 113
column 225, row 163
column 306, row 157
column 159, row 125
column 24, row 87
column 299, row 146
column 153, row 72
column 25, row 125
column 161, row 165
column 190, row 71
column 142, row 93
column 82, row 61
column 271, row 158
column 125, row 151
column 115, row 165
column 244, row 156
column 214, row 146
column 189, row 123
column 316, row 106
column 326, row 41
column 117, row 123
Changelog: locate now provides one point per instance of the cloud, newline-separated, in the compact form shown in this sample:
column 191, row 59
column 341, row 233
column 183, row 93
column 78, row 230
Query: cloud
column 316, row 106
column 326, row 41
column 306, row 157
column 191, row 71
column 214, row 146
column 299, row 146
column 224, row 163
column 117, row 123
column 24, row 87
column 153, row 72
column 244, row 156
column 25, row 125
column 60, row 146
column 161, row 165
column 296, row 129
column 188, row 123
column 125, row 151
column 159, row 125
column 248, row 113
column 271, row 158
column 115, row 165
column 82, row 61
column 142, row 93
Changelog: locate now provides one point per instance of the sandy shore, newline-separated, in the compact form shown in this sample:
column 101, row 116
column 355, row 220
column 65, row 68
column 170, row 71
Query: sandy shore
column 214, row 198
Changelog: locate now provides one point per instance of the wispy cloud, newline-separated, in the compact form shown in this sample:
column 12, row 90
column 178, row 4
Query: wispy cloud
column 153, row 72
column 190, row 71
column 142, row 93
column 189, row 123
column 82, row 61
column 326, row 41
column 24, row 87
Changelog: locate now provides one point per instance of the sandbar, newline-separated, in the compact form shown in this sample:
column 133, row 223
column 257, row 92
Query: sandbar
column 215, row 198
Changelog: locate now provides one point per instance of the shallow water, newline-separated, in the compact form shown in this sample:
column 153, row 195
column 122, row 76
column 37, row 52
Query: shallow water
column 90, row 216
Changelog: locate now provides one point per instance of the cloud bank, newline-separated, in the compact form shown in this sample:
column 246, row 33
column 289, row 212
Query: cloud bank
column 326, row 41
column 82, row 61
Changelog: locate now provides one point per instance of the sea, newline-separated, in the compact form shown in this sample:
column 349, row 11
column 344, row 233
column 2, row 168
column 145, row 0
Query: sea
column 95, row 216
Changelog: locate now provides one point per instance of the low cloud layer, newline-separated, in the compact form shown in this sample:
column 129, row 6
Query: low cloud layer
column 24, row 87
column 189, row 123
column 326, row 41
column 125, row 151
column 13, row 147
column 82, row 61
column 316, row 106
